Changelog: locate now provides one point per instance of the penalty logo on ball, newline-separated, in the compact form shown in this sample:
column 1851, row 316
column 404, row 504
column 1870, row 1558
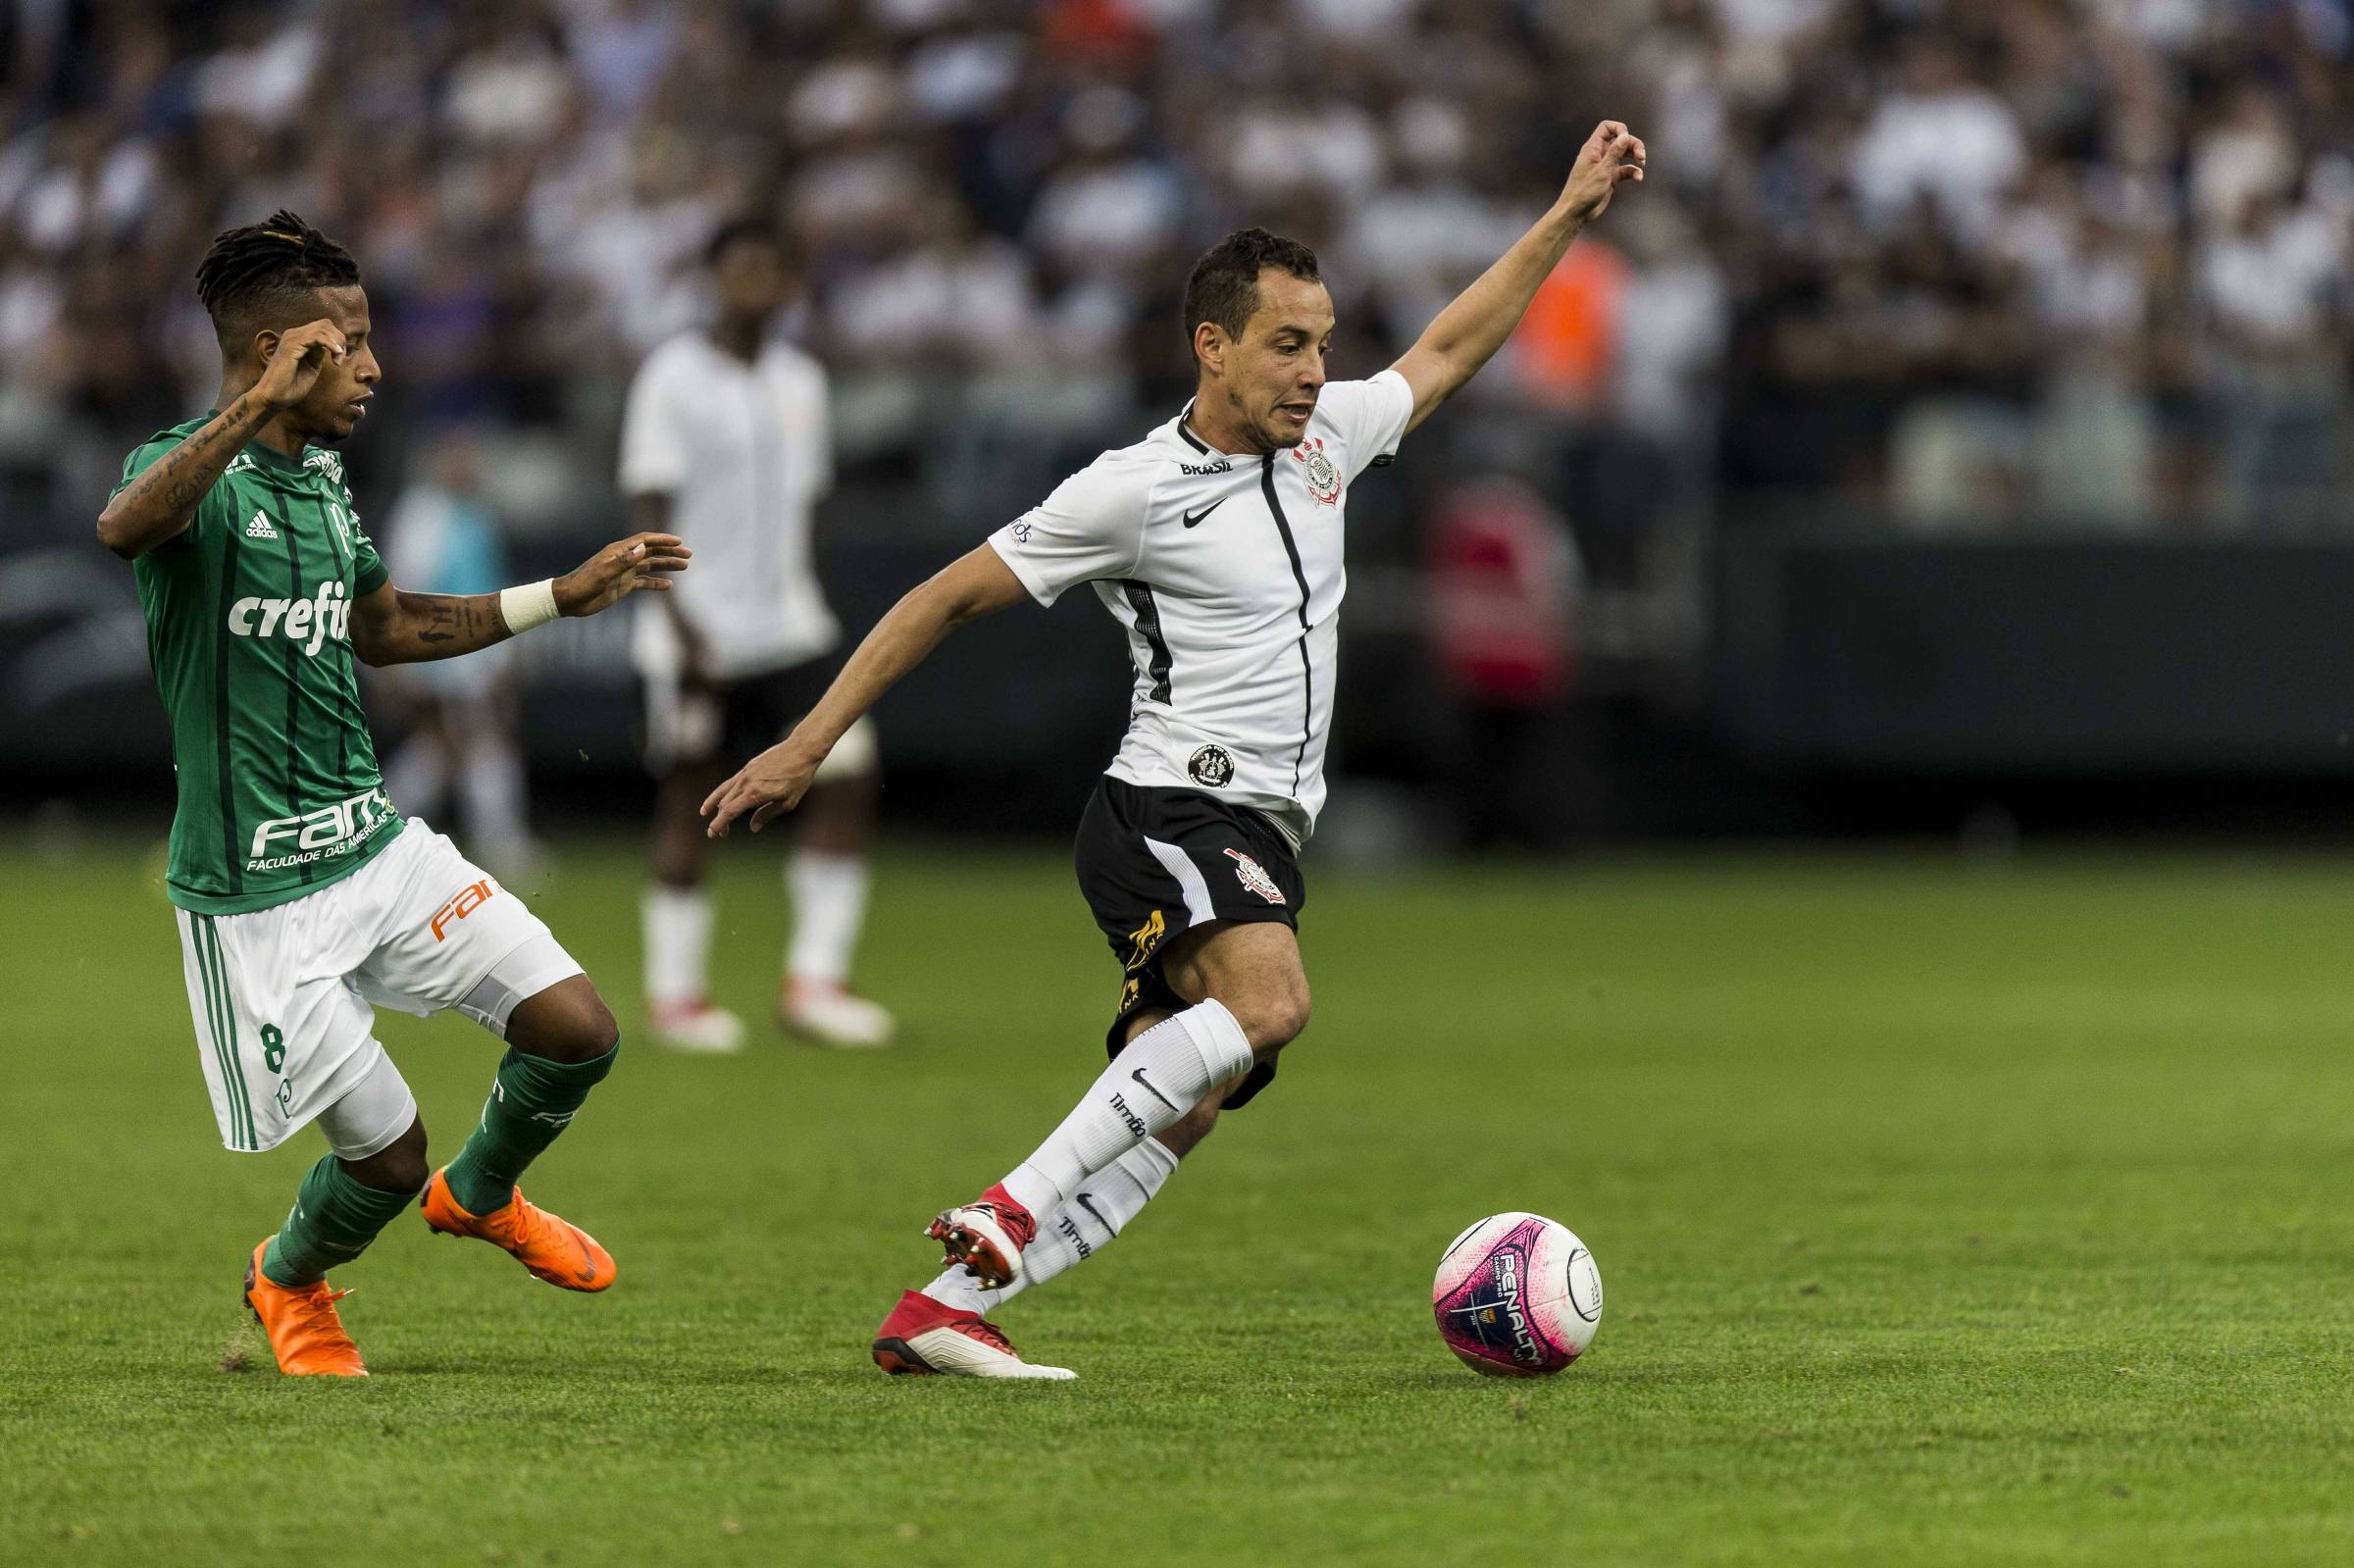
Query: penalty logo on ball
column 1517, row 1296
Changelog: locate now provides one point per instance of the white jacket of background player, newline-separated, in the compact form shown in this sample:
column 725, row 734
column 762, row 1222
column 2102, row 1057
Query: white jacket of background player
column 1227, row 573
column 743, row 452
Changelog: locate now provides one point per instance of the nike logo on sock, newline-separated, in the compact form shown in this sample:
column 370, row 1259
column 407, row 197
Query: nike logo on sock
column 1193, row 519
column 1099, row 1214
column 1139, row 1076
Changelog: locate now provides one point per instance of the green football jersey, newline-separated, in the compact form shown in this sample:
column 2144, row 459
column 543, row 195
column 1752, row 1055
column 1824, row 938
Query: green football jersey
column 249, row 628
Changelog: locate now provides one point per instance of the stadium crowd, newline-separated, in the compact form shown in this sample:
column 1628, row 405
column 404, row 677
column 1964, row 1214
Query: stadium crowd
column 2078, row 258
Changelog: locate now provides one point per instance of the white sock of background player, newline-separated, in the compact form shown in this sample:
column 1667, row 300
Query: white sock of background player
column 1074, row 1232
column 1148, row 1089
column 828, row 889
column 677, row 943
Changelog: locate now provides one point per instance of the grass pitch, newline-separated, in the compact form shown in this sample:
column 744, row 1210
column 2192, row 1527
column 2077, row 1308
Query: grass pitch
column 1948, row 1214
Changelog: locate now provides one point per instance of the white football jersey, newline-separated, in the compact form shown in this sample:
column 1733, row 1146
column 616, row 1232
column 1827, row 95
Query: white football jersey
column 743, row 451
column 1226, row 570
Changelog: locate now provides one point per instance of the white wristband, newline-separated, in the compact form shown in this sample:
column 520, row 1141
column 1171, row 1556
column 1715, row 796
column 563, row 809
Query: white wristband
column 528, row 606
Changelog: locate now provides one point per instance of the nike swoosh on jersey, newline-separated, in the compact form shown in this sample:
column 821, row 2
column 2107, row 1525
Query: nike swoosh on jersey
column 1192, row 519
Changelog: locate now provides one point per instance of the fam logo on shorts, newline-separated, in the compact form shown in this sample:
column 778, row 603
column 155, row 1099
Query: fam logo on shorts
column 1210, row 766
column 468, row 899
column 1254, row 877
column 1323, row 474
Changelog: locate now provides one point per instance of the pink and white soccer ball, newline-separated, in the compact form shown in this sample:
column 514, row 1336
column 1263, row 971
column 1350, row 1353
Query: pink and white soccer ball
column 1518, row 1297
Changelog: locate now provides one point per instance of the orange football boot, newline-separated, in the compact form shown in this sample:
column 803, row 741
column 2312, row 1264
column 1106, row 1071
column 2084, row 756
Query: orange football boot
column 554, row 1249
column 305, row 1334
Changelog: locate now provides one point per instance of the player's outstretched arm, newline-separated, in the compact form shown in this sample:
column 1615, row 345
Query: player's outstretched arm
column 1469, row 331
column 160, row 503
column 393, row 626
column 975, row 585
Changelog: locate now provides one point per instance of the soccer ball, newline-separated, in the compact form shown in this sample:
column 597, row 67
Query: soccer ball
column 1518, row 1297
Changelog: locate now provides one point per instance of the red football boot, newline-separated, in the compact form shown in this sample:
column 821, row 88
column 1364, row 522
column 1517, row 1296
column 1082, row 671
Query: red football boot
column 985, row 1235
column 922, row 1338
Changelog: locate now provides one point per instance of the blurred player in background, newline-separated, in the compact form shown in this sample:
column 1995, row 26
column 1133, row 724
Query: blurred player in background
column 443, row 537
column 727, row 434
column 303, row 896
column 1216, row 542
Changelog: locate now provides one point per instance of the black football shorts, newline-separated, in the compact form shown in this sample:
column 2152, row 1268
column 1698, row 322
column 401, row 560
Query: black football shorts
column 1156, row 862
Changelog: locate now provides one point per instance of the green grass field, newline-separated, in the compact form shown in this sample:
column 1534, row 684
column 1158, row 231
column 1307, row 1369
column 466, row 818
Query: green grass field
column 1948, row 1213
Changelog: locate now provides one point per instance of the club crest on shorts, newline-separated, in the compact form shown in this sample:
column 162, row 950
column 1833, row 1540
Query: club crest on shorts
column 1254, row 877
column 1323, row 476
column 1210, row 766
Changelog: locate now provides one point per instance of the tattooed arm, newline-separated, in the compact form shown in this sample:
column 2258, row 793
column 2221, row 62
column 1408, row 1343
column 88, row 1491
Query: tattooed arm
column 393, row 626
column 161, row 502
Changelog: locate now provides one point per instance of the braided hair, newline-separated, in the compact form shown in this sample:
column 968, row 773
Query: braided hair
column 268, row 269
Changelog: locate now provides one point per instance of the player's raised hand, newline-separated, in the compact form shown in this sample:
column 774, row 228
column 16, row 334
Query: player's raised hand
column 769, row 786
column 612, row 574
column 1610, row 157
column 293, row 370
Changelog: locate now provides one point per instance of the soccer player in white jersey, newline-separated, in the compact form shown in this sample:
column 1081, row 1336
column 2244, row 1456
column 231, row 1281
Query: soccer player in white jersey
column 1216, row 542
column 726, row 432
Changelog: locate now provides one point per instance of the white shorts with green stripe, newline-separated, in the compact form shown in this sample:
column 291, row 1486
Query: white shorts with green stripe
column 284, row 998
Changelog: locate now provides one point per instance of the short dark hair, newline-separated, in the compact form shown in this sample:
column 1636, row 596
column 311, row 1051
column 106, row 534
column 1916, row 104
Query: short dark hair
column 750, row 228
column 269, row 268
column 1223, row 287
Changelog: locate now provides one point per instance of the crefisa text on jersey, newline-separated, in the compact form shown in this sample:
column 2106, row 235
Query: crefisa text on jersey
column 310, row 622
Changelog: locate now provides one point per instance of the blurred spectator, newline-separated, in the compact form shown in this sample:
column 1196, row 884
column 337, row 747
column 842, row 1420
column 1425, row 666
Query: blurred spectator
column 441, row 538
column 1963, row 260
column 1501, row 574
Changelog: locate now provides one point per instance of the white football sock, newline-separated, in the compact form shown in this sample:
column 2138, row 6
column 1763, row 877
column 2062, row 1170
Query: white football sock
column 828, row 890
column 1161, row 1074
column 678, row 942
column 1089, row 1223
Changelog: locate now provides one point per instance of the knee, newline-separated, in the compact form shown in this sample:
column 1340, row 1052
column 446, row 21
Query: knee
column 400, row 1166
column 597, row 1034
column 580, row 1031
column 1275, row 1017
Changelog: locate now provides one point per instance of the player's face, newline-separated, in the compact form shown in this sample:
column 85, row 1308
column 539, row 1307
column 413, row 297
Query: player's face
column 337, row 398
column 752, row 279
column 1275, row 370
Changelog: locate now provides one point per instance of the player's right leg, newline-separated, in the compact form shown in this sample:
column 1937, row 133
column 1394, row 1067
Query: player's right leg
column 357, row 1189
column 681, row 731
column 284, row 1040
column 1255, row 1001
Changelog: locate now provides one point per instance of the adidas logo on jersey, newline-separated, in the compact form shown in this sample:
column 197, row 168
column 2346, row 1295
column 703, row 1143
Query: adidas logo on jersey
column 260, row 528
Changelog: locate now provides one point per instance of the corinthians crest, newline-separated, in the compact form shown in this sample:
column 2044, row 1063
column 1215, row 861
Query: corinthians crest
column 1254, row 877
column 1323, row 474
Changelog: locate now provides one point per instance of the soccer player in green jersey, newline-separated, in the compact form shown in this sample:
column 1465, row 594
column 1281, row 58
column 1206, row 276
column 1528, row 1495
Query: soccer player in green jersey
column 303, row 896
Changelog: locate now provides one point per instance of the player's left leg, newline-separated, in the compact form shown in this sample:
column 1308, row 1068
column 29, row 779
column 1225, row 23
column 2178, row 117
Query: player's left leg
column 561, row 1043
column 449, row 936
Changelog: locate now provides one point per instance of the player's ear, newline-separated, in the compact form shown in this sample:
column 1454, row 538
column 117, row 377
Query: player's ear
column 264, row 345
column 1210, row 346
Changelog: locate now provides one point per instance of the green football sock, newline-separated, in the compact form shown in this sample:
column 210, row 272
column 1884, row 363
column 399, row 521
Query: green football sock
column 531, row 1101
column 335, row 1216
